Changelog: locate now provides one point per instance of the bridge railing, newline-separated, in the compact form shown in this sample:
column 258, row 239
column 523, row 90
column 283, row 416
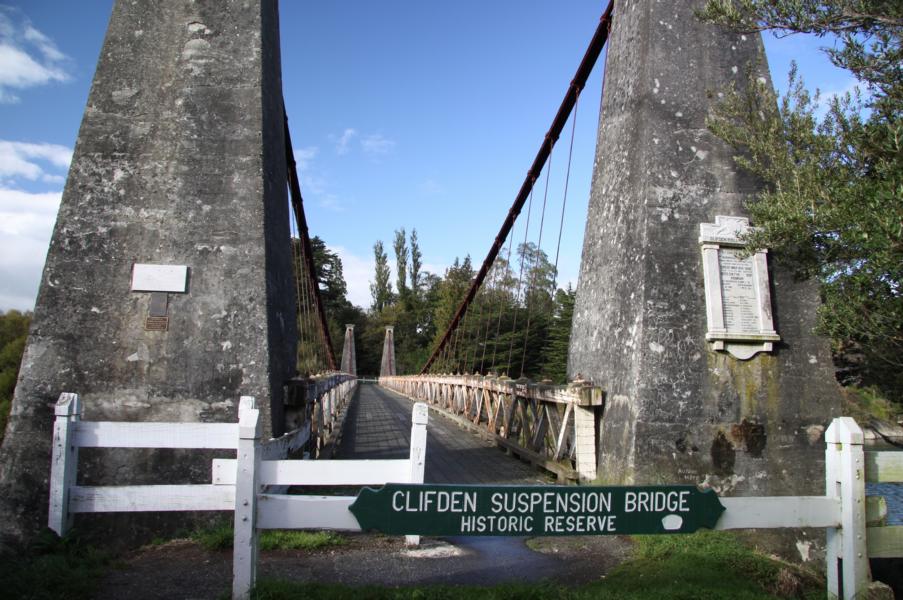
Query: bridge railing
column 554, row 427
column 314, row 410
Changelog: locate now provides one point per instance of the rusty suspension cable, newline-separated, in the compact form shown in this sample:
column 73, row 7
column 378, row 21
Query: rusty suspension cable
column 307, row 250
column 564, row 110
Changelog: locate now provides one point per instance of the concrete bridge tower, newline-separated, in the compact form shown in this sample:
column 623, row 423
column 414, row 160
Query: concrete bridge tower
column 387, row 365
column 711, row 370
column 167, row 290
column 349, row 356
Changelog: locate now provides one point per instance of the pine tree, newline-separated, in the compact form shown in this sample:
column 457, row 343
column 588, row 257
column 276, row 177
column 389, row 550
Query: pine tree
column 555, row 356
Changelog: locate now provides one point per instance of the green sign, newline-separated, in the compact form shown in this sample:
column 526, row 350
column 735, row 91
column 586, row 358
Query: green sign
column 443, row 510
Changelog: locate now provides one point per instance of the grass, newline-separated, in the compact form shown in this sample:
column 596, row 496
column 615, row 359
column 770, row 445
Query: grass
column 53, row 569
column 706, row 565
column 299, row 540
column 219, row 537
column 865, row 403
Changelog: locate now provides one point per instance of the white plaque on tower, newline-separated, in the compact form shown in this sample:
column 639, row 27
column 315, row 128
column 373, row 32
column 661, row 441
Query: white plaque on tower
column 737, row 292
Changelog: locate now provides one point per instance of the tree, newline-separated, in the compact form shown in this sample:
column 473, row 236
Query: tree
column 381, row 288
column 833, row 201
column 330, row 276
column 401, row 263
column 416, row 263
column 555, row 353
column 13, row 334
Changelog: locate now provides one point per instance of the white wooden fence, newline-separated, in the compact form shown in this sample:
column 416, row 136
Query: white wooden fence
column 853, row 522
column 237, row 484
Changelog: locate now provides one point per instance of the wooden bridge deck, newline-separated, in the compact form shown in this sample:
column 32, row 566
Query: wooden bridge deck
column 378, row 426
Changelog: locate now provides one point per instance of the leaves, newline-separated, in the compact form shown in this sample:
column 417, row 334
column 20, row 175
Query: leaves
column 833, row 201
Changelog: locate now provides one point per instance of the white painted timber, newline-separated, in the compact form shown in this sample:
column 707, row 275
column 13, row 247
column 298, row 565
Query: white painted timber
column 279, row 511
column 318, row 472
column 420, row 416
column 160, row 278
column 884, row 467
column 833, row 537
column 64, row 463
column 142, row 498
column 245, row 529
column 779, row 511
column 846, row 437
column 113, row 434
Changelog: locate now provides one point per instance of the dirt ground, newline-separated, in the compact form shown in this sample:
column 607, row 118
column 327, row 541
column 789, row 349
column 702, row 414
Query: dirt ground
column 182, row 569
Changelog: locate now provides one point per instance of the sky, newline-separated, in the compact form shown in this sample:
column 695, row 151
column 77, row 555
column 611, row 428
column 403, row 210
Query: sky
column 404, row 114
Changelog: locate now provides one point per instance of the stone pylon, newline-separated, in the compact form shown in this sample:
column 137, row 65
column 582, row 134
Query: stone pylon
column 349, row 356
column 167, row 291
column 667, row 312
column 387, row 365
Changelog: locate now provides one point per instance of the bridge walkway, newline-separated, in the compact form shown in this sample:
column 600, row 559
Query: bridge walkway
column 378, row 426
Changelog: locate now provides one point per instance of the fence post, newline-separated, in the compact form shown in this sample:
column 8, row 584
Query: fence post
column 244, row 551
column 64, row 463
column 845, row 470
column 419, row 418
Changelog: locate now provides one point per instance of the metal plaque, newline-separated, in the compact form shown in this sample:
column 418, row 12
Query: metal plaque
column 156, row 324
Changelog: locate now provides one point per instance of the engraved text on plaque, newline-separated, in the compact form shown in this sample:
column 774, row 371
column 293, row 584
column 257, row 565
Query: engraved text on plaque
column 737, row 294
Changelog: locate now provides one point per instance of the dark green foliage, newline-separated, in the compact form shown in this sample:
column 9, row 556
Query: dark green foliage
column 53, row 569
column 401, row 263
column 507, row 329
column 13, row 334
column 381, row 288
column 555, row 355
column 220, row 537
column 833, row 205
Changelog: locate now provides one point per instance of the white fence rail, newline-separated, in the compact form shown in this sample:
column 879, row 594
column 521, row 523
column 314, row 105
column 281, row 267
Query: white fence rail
column 237, row 485
column 854, row 523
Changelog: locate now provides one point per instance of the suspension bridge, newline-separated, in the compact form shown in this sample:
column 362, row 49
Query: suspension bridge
column 688, row 362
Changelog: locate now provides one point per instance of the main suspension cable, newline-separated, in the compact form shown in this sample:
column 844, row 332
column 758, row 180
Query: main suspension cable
column 558, row 123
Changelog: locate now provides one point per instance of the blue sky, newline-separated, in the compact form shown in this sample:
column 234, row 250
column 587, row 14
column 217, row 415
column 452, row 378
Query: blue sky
column 406, row 114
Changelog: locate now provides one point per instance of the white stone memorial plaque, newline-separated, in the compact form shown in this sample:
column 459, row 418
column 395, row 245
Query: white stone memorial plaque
column 737, row 294
column 160, row 278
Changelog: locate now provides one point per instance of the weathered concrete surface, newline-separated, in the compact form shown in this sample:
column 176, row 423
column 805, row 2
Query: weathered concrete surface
column 349, row 355
column 387, row 364
column 677, row 411
column 180, row 160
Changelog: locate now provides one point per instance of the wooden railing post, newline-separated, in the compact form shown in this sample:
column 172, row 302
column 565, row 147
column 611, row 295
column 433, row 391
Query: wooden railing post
column 64, row 463
column 419, row 418
column 845, row 479
column 244, row 552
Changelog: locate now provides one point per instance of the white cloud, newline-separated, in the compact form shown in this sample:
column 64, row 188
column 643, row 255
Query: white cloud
column 358, row 273
column 331, row 202
column 23, row 159
column 28, row 58
column 431, row 187
column 304, row 156
column 26, row 224
column 341, row 144
column 377, row 145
